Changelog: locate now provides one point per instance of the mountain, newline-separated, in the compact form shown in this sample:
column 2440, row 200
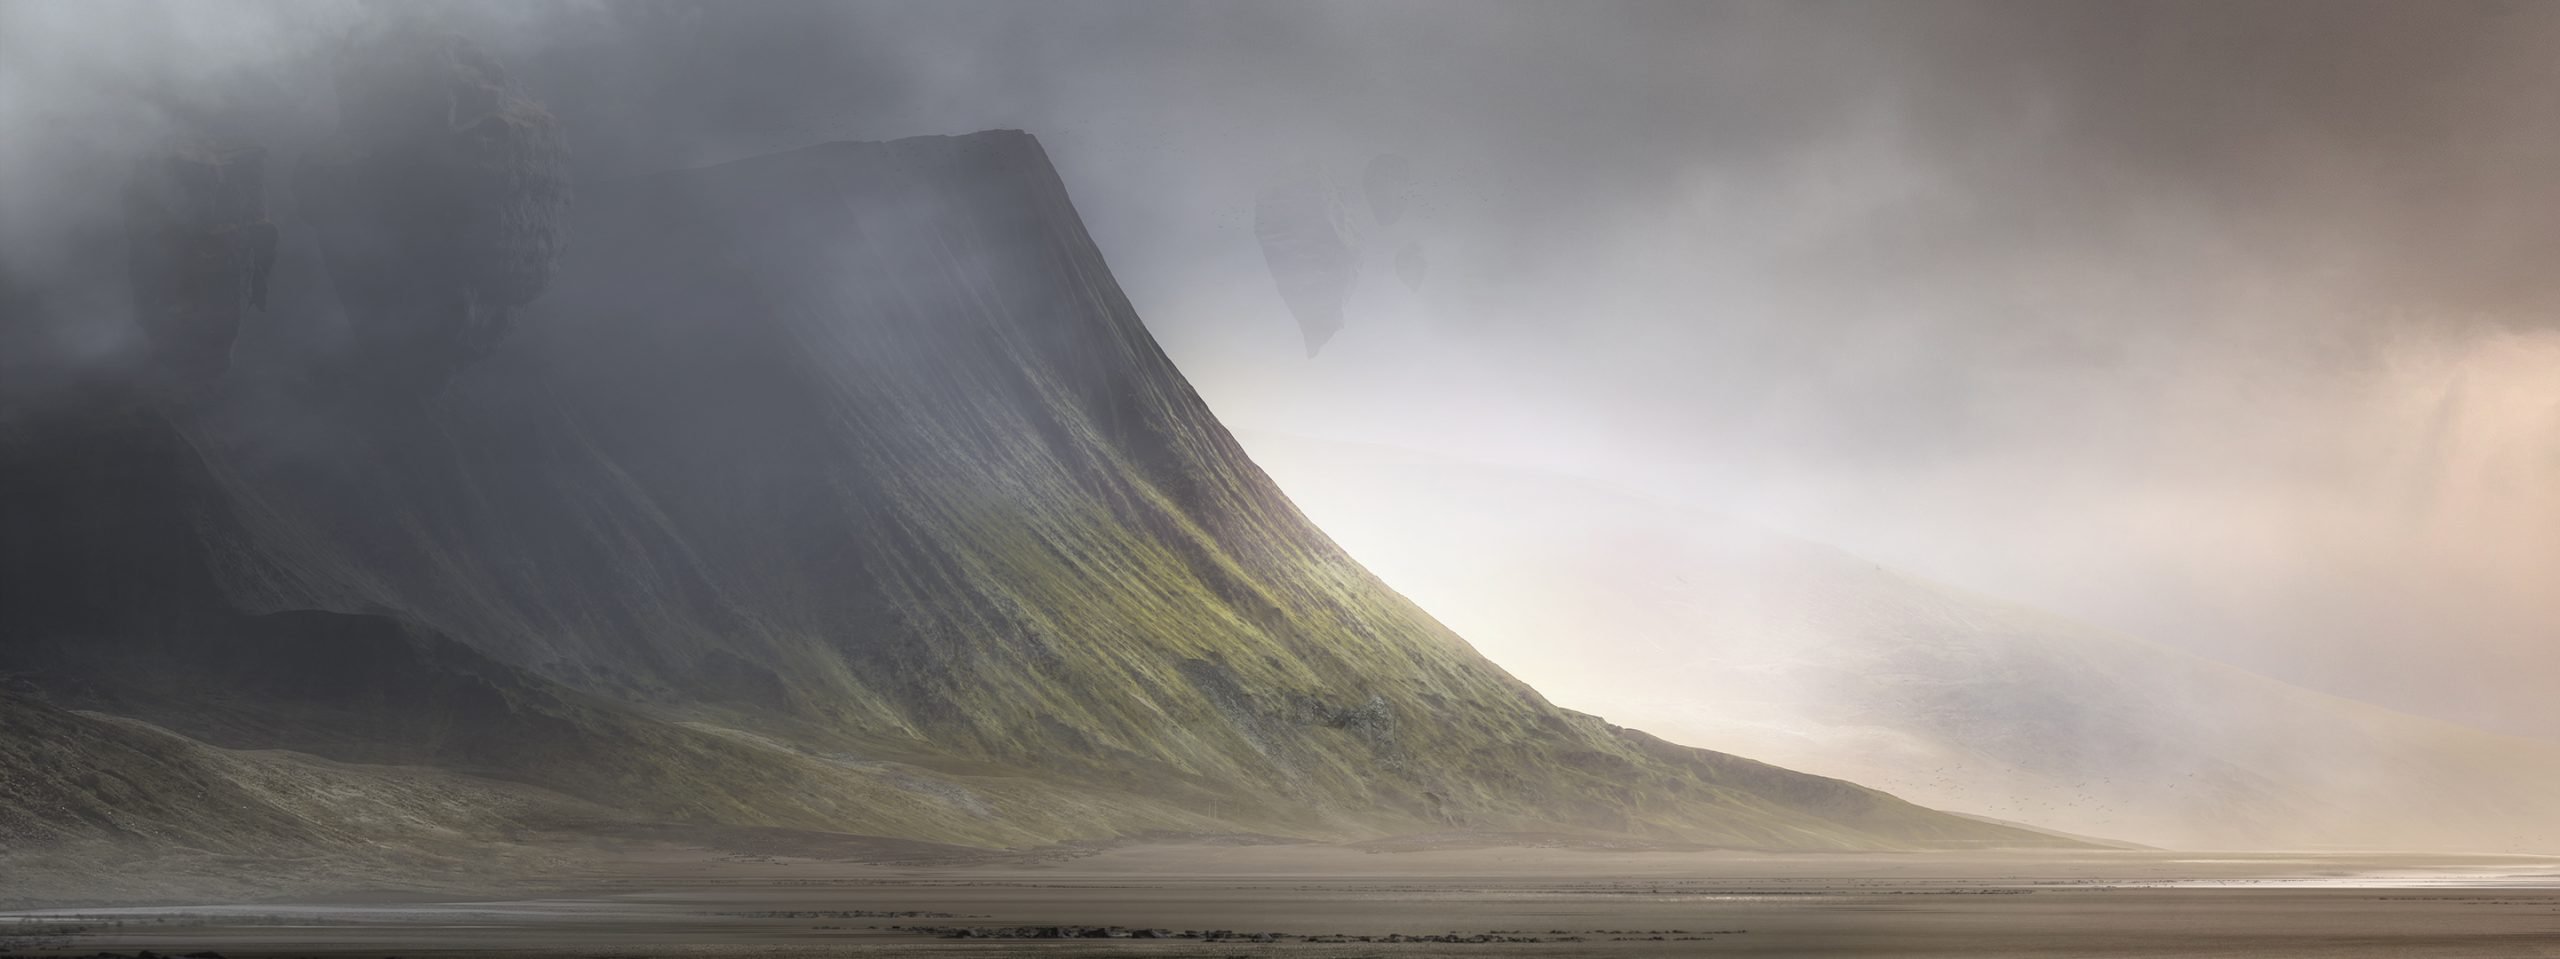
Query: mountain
column 1714, row 632
column 840, row 491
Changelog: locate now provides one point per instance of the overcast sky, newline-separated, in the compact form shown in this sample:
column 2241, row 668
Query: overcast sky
column 2227, row 324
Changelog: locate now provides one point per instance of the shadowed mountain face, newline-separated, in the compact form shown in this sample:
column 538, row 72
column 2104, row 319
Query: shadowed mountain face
column 1805, row 655
column 440, row 203
column 836, row 490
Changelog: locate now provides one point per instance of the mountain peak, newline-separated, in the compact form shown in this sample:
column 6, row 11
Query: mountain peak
column 850, row 471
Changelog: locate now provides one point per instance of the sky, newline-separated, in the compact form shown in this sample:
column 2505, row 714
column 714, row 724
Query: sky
column 2228, row 325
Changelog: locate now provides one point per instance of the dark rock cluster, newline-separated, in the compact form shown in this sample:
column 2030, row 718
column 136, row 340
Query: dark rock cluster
column 1230, row 935
column 1052, row 932
column 1479, row 938
column 441, row 205
column 1374, row 719
column 840, row 914
column 1092, row 932
column 199, row 247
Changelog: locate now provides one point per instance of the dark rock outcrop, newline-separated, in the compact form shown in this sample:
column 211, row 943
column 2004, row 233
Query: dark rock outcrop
column 441, row 206
column 199, row 246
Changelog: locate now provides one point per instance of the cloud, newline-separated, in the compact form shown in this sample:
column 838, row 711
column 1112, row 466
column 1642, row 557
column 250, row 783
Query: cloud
column 2134, row 309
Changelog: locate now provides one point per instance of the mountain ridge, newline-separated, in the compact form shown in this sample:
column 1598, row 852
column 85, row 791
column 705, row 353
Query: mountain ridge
column 839, row 489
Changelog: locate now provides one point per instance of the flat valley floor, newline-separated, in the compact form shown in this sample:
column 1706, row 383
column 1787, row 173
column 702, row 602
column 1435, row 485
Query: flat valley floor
column 1406, row 899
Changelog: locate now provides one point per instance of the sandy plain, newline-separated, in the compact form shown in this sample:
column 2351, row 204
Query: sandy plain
column 1421, row 898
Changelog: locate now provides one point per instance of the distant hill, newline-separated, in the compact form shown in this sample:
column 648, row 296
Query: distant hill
column 1718, row 634
column 839, row 490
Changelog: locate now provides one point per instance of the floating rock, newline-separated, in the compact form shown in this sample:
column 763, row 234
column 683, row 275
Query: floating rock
column 1388, row 182
column 1410, row 266
column 199, row 247
column 441, row 205
column 1308, row 246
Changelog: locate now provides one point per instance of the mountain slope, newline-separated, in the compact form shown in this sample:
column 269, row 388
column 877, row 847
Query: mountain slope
column 839, row 489
column 1716, row 633
column 95, row 807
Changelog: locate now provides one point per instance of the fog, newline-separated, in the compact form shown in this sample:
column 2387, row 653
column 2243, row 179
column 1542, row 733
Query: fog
column 2223, row 325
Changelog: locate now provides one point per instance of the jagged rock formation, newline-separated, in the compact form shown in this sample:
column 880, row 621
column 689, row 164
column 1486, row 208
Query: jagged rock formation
column 199, row 247
column 442, row 206
column 838, row 490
